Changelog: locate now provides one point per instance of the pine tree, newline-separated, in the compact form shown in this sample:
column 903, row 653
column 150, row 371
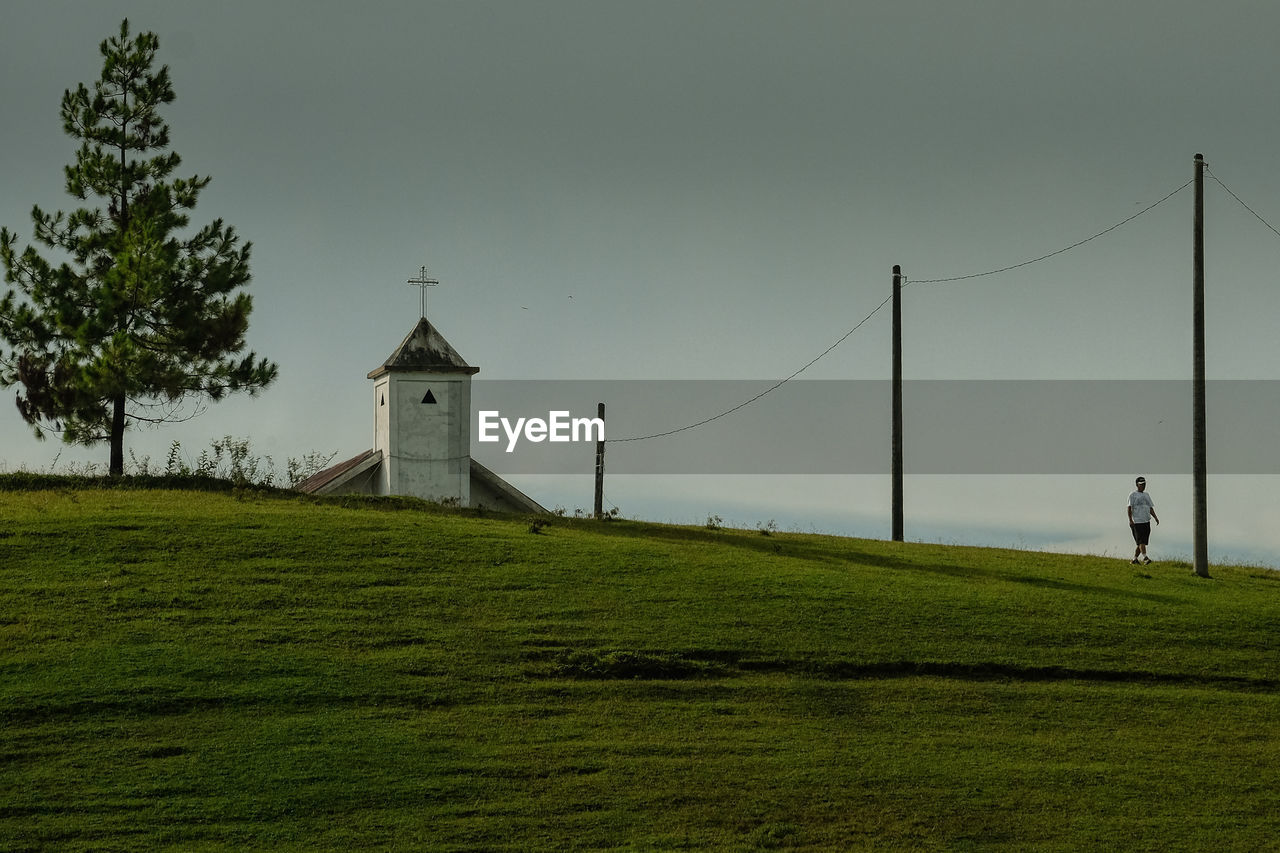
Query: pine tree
column 132, row 320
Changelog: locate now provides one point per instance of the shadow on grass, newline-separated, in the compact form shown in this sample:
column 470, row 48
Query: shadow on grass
column 1039, row 581
column 614, row 664
column 843, row 552
column 800, row 546
column 988, row 671
column 161, row 704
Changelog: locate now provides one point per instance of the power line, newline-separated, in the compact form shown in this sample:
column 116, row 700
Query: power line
column 773, row 387
column 846, row 335
column 1062, row 250
column 1237, row 198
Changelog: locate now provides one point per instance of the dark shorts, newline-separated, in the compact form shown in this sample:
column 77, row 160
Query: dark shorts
column 1142, row 533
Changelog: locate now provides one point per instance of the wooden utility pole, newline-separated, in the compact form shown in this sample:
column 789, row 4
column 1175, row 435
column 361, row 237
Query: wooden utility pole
column 1199, row 468
column 599, row 507
column 897, row 404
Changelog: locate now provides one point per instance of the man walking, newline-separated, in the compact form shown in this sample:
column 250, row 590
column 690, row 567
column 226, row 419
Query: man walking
column 1141, row 511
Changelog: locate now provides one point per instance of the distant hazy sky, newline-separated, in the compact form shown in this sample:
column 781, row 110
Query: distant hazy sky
column 714, row 189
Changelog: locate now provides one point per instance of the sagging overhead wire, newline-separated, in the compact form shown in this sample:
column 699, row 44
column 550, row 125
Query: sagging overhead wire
column 772, row 387
column 1064, row 249
column 1237, row 198
column 906, row 282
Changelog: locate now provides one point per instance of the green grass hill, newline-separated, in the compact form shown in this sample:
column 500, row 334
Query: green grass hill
column 244, row 671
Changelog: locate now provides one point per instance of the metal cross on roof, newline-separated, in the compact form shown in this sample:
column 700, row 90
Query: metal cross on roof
column 422, row 282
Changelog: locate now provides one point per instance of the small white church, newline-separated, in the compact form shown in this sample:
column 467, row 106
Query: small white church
column 422, row 434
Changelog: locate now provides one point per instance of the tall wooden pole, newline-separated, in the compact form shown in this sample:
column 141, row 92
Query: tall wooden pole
column 599, row 507
column 1199, row 467
column 897, row 404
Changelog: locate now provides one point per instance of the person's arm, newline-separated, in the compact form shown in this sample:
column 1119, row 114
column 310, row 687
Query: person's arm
column 1131, row 515
column 1153, row 515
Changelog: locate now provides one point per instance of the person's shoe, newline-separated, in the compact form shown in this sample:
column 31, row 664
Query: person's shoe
column 1147, row 561
column 1134, row 561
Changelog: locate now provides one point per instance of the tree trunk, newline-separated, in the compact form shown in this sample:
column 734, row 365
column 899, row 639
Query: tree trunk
column 117, row 438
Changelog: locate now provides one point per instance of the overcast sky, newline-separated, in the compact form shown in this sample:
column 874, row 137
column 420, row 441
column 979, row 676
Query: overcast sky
column 714, row 190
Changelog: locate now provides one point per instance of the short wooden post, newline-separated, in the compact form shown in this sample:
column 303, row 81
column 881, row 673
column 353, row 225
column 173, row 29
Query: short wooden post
column 599, row 508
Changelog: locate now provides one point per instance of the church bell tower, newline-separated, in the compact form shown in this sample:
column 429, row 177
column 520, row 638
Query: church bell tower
column 422, row 419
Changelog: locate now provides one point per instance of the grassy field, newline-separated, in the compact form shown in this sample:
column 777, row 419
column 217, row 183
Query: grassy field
column 209, row 671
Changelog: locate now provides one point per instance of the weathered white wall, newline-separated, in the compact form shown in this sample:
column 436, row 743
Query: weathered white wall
column 382, row 433
column 426, row 446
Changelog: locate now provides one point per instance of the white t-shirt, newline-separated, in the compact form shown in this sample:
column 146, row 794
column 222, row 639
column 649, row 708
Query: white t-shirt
column 1142, row 506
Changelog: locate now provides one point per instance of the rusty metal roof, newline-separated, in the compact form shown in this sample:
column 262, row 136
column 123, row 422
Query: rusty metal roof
column 316, row 482
column 336, row 476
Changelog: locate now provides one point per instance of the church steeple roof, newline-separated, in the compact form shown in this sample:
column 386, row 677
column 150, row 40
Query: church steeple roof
column 424, row 350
